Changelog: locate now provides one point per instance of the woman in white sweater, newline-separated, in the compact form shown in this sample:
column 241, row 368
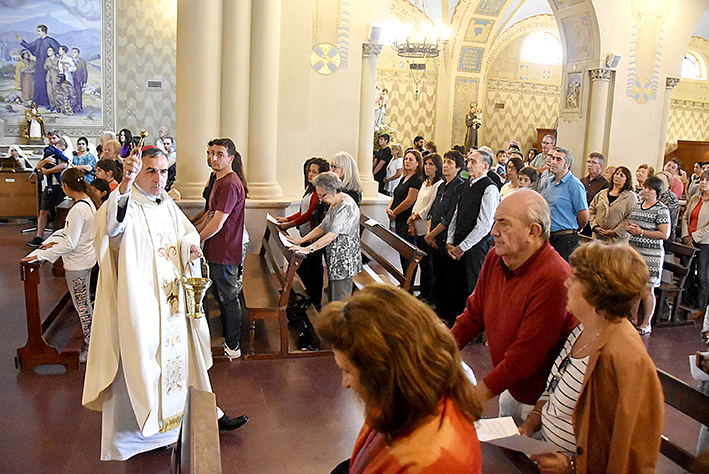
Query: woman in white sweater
column 74, row 243
column 419, row 221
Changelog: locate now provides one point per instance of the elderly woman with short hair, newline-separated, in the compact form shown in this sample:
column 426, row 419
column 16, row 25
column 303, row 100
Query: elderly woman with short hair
column 338, row 234
column 603, row 405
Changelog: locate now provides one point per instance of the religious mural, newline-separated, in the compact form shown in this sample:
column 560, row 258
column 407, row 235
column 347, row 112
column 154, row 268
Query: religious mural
column 51, row 55
column 579, row 37
column 479, row 30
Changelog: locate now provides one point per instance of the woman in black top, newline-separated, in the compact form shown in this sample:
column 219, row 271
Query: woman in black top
column 405, row 195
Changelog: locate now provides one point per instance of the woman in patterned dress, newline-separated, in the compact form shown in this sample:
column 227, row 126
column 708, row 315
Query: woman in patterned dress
column 338, row 234
column 649, row 225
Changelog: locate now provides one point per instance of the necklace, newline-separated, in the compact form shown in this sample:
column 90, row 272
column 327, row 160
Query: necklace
column 581, row 349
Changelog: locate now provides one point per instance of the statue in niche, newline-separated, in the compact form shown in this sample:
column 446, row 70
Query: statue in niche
column 473, row 121
column 573, row 96
column 380, row 106
column 35, row 126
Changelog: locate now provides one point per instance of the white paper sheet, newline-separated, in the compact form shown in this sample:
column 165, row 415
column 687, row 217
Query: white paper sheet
column 371, row 222
column 697, row 373
column 270, row 218
column 504, row 433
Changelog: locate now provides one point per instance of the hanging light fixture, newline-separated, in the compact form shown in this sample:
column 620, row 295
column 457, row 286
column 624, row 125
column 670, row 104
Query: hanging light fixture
column 426, row 48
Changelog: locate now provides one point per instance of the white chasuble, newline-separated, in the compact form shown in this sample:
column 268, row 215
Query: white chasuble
column 144, row 352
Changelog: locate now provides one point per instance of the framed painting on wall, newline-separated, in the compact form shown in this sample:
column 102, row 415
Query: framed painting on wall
column 57, row 54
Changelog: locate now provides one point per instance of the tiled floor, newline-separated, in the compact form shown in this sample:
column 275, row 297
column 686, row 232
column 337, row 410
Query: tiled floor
column 302, row 421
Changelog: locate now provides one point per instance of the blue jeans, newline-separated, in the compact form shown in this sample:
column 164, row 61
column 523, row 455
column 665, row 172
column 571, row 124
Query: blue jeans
column 226, row 286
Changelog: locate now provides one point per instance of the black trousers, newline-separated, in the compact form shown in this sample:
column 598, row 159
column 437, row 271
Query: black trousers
column 428, row 278
column 311, row 274
column 565, row 244
column 460, row 277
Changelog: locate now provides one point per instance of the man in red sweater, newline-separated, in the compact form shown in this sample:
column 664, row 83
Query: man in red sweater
column 520, row 299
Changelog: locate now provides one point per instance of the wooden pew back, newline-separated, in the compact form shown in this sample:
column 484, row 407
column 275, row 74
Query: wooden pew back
column 402, row 247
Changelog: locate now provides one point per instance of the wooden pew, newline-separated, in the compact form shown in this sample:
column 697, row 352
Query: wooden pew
column 268, row 280
column 679, row 268
column 692, row 403
column 36, row 351
column 197, row 450
column 379, row 269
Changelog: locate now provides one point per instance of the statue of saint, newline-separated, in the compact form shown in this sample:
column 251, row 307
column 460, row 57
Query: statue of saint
column 473, row 121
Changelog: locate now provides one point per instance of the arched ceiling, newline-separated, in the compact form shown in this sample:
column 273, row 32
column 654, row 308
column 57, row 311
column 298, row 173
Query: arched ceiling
column 503, row 13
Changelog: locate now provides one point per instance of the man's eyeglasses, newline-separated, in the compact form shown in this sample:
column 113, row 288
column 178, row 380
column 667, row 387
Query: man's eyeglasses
column 593, row 162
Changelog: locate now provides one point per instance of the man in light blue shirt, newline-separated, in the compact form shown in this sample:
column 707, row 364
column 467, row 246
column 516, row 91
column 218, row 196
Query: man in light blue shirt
column 566, row 196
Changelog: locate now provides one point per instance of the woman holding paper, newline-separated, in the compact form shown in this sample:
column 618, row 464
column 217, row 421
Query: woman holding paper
column 338, row 234
column 603, row 405
column 404, row 365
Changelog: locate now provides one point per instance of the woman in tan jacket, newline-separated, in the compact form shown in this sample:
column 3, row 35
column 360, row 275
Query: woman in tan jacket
column 611, row 422
column 609, row 210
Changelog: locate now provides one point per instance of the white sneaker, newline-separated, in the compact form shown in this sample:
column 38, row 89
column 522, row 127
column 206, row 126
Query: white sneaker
column 232, row 353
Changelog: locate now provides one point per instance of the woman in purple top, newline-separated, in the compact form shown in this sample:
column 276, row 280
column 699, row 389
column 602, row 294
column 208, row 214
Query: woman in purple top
column 126, row 139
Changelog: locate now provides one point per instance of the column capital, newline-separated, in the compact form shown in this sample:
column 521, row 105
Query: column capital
column 671, row 82
column 600, row 74
column 371, row 50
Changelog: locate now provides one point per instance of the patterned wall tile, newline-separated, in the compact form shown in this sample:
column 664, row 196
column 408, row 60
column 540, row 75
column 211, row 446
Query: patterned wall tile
column 470, row 59
column 146, row 44
column 688, row 121
column 490, row 7
column 527, row 106
column 406, row 114
column 466, row 91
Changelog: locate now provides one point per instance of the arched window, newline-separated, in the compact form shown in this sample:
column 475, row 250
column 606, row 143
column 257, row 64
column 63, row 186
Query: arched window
column 542, row 47
column 693, row 66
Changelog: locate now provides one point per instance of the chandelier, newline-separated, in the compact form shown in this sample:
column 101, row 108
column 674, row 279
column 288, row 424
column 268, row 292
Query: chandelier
column 427, row 47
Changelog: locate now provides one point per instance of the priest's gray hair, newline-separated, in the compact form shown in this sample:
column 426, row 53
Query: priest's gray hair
column 329, row 182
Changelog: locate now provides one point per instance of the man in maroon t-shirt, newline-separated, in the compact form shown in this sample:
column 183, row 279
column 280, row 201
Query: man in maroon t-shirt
column 520, row 300
column 222, row 231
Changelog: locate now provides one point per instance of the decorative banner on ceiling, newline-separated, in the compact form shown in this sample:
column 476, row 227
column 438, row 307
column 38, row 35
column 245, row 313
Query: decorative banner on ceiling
column 331, row 36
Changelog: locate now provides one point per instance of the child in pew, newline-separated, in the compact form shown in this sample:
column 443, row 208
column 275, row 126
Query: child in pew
column 74, row 243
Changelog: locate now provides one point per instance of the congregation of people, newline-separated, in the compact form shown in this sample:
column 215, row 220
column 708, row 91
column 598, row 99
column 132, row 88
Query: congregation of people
column 501, row 232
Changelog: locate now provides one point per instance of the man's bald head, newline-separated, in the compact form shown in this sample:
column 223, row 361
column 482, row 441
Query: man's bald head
column 522, row 224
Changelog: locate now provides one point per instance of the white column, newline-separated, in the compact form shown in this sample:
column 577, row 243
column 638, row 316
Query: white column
column 368, row 82
column 598, row 111
column 236, row 46
column 263, row 111
column 198, row 90
column 670, row 84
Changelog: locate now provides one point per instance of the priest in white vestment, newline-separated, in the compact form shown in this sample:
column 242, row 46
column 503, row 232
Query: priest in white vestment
column 144, row 352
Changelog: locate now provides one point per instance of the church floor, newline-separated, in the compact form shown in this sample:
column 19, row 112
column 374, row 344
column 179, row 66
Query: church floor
column 301, row 419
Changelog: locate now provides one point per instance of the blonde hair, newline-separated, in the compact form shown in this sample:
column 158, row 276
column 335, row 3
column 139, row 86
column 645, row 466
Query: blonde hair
column 350, row 173
column 114, row 146
column 399, row 149
column 407, row 359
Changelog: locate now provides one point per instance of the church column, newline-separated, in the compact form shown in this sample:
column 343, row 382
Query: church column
column 598, row 111
column 236, row 44
column 263, row 111
column 198, row 90
column 670, row 84
column 370, row 52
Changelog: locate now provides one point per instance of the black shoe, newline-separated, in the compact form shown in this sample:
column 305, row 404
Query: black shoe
column 229, row 424
column 36, row 242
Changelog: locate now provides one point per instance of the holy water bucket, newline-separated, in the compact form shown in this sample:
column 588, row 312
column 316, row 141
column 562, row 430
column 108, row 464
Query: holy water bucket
column 196, row 289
